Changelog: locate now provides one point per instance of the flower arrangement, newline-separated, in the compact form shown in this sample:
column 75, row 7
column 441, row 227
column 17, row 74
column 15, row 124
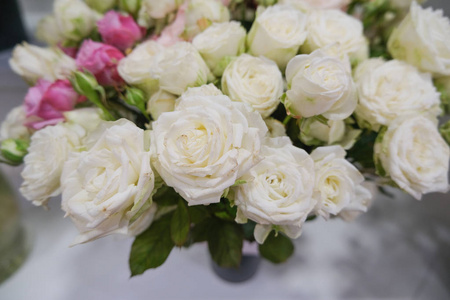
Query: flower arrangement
column 180, row 122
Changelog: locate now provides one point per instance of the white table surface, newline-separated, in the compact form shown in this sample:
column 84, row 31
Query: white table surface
column 399, row 250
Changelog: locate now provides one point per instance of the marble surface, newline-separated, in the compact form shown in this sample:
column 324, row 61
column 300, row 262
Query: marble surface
column 399, row 250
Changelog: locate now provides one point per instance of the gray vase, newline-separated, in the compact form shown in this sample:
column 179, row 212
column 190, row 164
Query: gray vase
column 247, row 269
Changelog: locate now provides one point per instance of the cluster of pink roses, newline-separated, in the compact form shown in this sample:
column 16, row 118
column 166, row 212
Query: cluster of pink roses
column 46, row 101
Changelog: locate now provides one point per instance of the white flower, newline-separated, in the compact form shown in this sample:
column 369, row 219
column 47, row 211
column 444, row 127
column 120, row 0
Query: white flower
column 414, row 155
column 161, row 102
column 205, row 145
column 201, row 12
column 275, row 127
column 108, row 187
column 392, row 89
column 337, row 181
column 89, row 118
column 49, row 149
column 13, row 127
column 364, row 196
column 301, row 5
column 327, row 27
column 254, row 80
column 33, row 63
column 277, row 33
column 314, row 4
column 278, row 190
column 219, row 41
column 179, row 67
column 204, row 90
column 422, row 40
column 160, row 8
column 319, row 84
column 135, row 68
column 48, row 31
column 74, row 18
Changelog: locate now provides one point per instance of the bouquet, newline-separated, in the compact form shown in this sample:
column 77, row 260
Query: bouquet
column 180, row 122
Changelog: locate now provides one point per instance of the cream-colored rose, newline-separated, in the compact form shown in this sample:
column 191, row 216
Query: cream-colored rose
column 205, row 145
column 161, row 102
column 75, row 19
column 33, row 63
column 301, row 5
column 306, row 5
column 275, row 127
column 319, row 84
column 315, row 133
column 158, row 9
column 422, row 40
column 107, row 188
column 135, row 69
column 326, row 27
column 254, row 80
column 278, row 190
column 415, row 156
column 392, row 89
column 179, row 67
column 364, row 197
column 48, row 31
column 49, row 149
column 89, row 118
column 201, row 13
column 277, row 33
column 13, row 127
column 220, row 41
column 336, row 181
column 204, row 90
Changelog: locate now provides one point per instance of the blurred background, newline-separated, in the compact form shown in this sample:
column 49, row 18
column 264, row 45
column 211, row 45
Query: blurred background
column 399, row 250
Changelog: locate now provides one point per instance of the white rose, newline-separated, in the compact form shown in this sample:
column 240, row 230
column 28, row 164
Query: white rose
column 219, row 41
column 364, row 196
column 254, row 80
column 161, row 102
column 275, row 127
column 158, row 9
column 75, row 19
column 179, row 67
column 393, row 89
column 414, row 155
column 315, row 133
column 312, row 4
column 89, row 118
column 422, row 40
column 278, row 190
column 49, row 149
column 205, row 145
column 336, row 181
column 277, row 33
column 33, row 63
column 204, row 90
column 200, row 13
column 108, row 187
column 301, row 5
column 13, row 127
column 135, row 68
column 366, row 67
column 327, row 27
column 319, row 84
column 48, row 31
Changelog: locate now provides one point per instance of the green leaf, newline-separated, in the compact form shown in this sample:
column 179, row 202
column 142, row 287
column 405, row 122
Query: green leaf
column 198, row 213
column 199, row 232
column 225, row 243
column 249, row 229
column 166, row 196
column 180, row 224
column 223, row 210
column 277, row 248
column 152, row 247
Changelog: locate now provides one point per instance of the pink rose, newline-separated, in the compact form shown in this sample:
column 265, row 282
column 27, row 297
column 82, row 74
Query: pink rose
column 119, row 31
column 46, row 102
column 101, row 60
column 171, row 34
column 70, row 51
